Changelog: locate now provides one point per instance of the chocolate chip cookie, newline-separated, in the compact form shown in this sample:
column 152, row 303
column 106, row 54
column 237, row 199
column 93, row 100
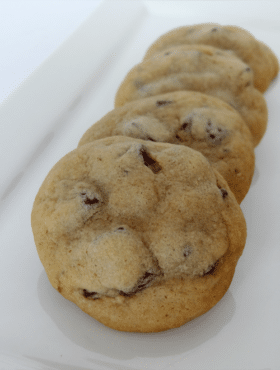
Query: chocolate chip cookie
column 142, row 236
column 255, row 53
column 200, row 121
column 199, row 68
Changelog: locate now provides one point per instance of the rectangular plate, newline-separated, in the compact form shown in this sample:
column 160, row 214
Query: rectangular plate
column 43, row 120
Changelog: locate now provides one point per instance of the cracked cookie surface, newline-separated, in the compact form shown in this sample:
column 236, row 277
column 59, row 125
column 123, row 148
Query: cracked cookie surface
column 255, row 53
column 142, row 236
column 200, row 68
column 200, row 121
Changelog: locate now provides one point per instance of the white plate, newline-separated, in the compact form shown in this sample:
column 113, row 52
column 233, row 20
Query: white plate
column 43, row 120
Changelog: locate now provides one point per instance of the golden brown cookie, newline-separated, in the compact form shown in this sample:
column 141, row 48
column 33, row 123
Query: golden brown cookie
column 255, row 53
column 200, row 121
column 199, row 68
column 142, row 236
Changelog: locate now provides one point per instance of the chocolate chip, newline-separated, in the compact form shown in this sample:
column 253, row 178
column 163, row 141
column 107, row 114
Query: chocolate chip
column 145, row 280
column 214, row 29
column 187, row 251
column 224, row 193
column 120, row 229
column 212, row 269
column 88, row 294
column 126, row 294
column 151, row 139
column 91, row 201
column 248, row 69
column 187, row 125
column 149, row 161
column 141, row 284
column 161, row 103
column 215, row 134
column 185, row 129
column 167, row 53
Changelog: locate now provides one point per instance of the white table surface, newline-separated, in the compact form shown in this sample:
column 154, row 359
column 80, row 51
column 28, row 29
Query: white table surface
column 30, row 30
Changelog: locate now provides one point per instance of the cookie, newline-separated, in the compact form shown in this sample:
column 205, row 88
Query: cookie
column 200, row 121
column 199, row 68
column 142, row 236
column 255, row 53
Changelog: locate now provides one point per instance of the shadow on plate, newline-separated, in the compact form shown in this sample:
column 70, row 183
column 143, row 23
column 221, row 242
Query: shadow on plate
column 256, row 176
column 88, row 333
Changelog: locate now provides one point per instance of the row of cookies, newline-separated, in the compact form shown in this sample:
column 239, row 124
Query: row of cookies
column 222, row 61
column 169, row 87
column 140, row 226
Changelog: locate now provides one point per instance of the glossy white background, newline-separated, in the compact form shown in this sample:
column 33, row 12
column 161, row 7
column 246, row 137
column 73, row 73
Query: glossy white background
column 44, row 119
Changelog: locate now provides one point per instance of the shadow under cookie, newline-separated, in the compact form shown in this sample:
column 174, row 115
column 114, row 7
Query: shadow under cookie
column 93, row 336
